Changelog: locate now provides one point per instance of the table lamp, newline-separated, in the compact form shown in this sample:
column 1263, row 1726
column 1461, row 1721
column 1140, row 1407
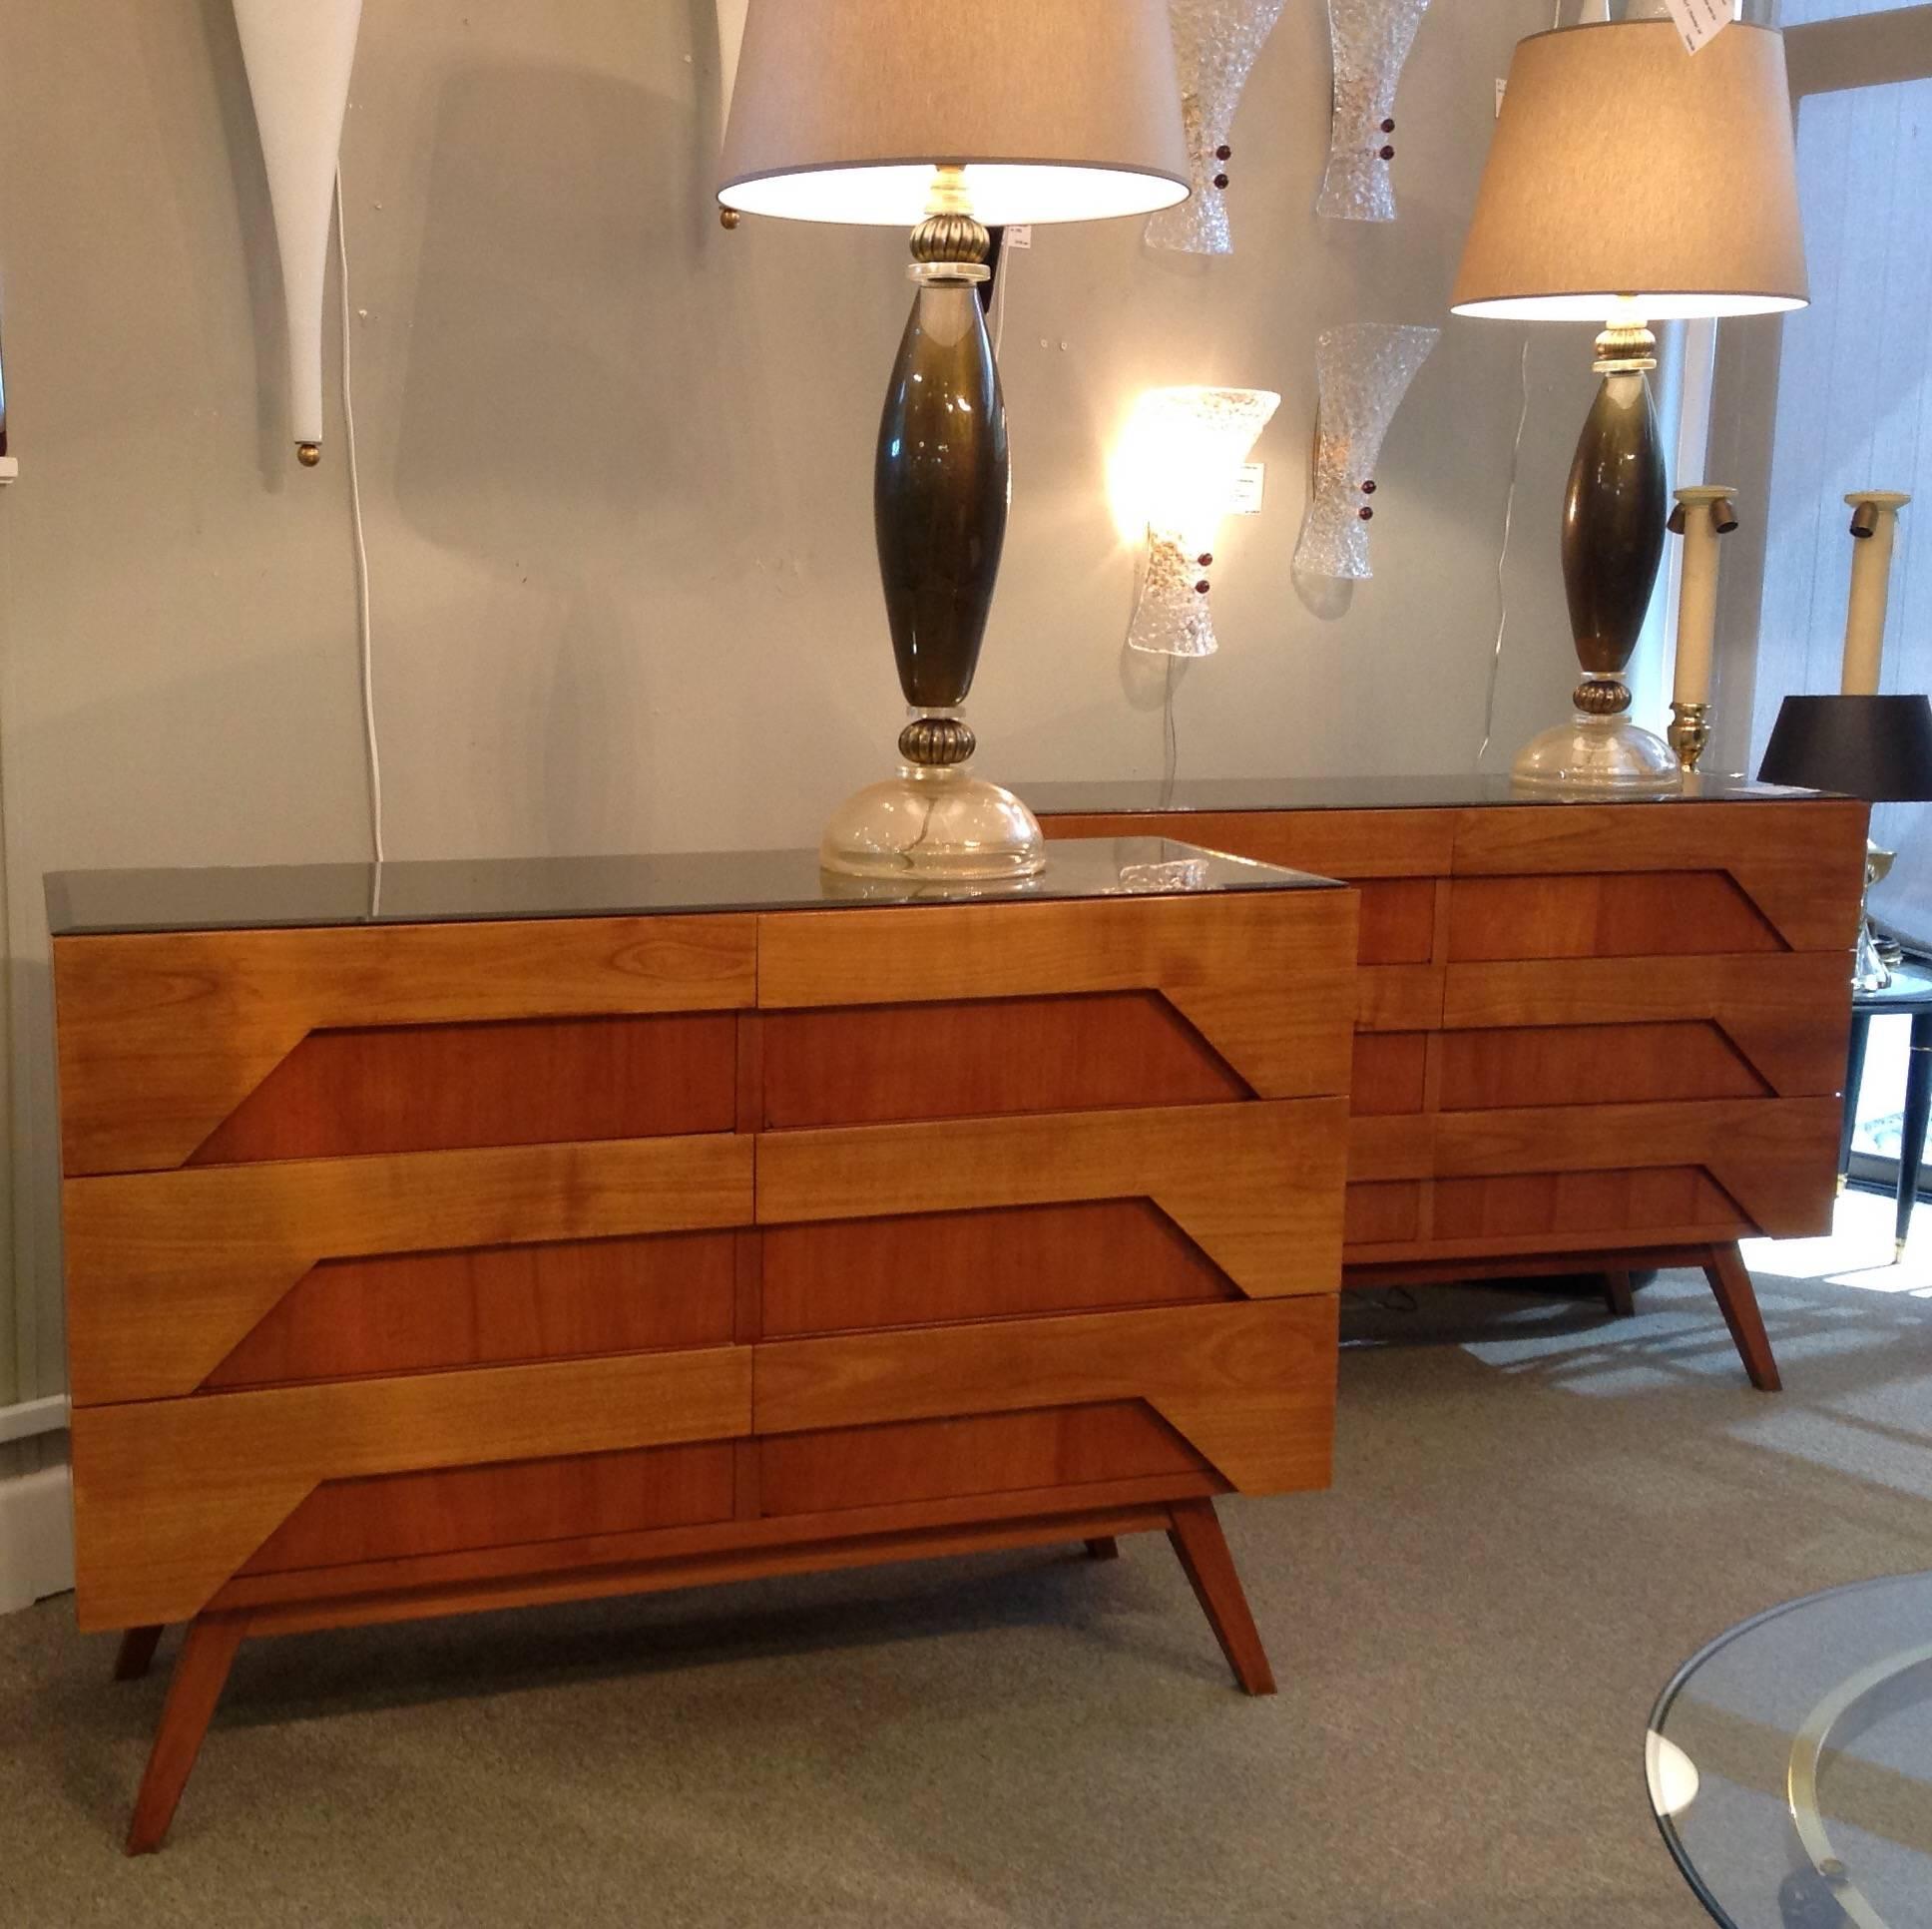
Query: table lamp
column 1875, row 747
column 948, row 119
column 1630, row 181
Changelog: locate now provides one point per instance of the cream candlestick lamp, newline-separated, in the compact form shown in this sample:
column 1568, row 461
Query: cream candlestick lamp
column 1704, row 513
column 947, row 120
column 1630, row 181
column 1874, row 526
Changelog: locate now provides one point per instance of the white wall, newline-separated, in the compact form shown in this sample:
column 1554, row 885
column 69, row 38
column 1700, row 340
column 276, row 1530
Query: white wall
column 617, row 465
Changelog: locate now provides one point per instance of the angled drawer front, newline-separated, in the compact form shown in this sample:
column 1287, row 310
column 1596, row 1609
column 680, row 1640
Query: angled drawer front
column 186, row 1044
column 1246, row 993
column 169, row 1273
column 1257, row 1189
column 172, row 1498
column 1796, row 866
column 1249, row 1389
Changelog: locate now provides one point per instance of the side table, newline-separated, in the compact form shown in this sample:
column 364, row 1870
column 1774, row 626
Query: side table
column 1908, row 995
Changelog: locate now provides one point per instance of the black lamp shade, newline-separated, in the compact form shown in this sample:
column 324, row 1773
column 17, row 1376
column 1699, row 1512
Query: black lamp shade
column 1875, row 747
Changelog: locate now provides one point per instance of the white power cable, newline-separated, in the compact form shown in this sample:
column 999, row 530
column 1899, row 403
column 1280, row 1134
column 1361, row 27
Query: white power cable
column 999, row 301
column 363, row 623
column 1502, row 560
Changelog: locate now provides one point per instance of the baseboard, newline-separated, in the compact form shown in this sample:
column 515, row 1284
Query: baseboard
column 36, row 1536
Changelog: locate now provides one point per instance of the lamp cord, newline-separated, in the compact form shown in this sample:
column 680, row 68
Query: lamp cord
column 1502, row 560
column 364, row 625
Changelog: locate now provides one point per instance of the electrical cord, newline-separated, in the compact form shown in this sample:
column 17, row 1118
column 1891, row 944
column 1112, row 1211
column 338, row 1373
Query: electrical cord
column 364, row 625
column 1502, row 560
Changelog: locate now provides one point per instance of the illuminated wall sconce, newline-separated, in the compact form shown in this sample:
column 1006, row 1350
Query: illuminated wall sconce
column 1216, row 46
column 1362, row 371
column 1371, row 40
column 298, row 59
column 1180, row 462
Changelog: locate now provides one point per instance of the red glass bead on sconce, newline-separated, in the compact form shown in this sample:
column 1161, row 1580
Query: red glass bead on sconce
column 1206, row 562
column 1368, row 488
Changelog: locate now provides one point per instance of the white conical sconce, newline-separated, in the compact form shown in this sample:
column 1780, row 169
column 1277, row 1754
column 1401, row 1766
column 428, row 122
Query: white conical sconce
column 299, row 54
column 730, row 37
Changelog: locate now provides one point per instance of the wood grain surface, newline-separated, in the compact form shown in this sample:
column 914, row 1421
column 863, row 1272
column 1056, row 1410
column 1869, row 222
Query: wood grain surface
column 1265, row 978
column 172, row 1497
column 168, row 1271
column 1257, row 1187
column 162, row 1037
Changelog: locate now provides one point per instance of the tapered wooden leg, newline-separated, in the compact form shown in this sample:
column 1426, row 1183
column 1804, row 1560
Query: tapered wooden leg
column 1205, row 1559
column 199, row 1672
column 138, row 1647
column 1618, row 1295
column 1731, row 1280
column 1106, row 1549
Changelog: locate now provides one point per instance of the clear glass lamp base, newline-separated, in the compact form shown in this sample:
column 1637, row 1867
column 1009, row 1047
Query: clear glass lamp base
column 1597, row 756
column 939, row 825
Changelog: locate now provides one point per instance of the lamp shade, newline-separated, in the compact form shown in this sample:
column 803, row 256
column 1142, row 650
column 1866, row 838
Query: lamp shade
column 1624, row 168
column 1875, row 747
column 1059, row 110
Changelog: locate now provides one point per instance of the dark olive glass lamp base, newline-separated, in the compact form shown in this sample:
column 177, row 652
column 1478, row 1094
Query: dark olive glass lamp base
column 941, row 484
column 1614, row 517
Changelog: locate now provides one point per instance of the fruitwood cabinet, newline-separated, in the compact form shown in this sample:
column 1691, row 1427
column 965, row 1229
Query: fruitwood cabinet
column 459, row 1237
column 1590, row 1037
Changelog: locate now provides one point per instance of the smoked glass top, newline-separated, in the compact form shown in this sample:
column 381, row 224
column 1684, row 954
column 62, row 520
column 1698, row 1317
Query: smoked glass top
column 460, row 890
column 1358, row 793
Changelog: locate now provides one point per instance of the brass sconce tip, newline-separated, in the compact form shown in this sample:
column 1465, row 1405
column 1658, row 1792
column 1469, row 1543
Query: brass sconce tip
column 308, row 453
column 728, row 219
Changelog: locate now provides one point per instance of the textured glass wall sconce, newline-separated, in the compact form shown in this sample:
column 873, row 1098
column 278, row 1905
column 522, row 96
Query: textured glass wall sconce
column 1181, row 458
column 298, row 59
column 1216, row 46
column 1371, row 40
column 1362, row 371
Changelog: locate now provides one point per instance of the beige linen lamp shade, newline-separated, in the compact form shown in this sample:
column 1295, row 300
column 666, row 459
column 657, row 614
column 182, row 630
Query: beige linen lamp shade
column 1624, row 166
column 1059, row 110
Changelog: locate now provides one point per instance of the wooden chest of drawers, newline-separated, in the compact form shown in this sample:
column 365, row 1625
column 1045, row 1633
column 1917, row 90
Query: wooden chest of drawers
column 1590, row 1037
column 433, row 1263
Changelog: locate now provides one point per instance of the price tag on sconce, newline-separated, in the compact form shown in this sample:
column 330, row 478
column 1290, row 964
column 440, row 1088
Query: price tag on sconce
column 1250, row 485
column 1701, row 20
column 1020, row 234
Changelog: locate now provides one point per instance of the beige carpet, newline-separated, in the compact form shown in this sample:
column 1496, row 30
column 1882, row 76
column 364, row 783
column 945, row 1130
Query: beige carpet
column 1538, row 1513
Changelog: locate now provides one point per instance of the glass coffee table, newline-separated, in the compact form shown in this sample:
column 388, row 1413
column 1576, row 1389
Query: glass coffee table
column 1790, row 1763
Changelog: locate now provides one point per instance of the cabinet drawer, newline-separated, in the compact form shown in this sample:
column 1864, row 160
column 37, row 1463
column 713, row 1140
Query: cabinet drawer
column 168, row 1272
column 173, row 1498
column 164, row 1038
column 417, row 1312
column 1256, row 1187
column 1249, row 1387
column 437, row 1088
column 1798, row 863
column 862, row 1275
column 954, row 1459
column 1773, row 1159
column 1787, row 1015
column 1594, row 1064
column 401, row 1517
column 883, row 1064
column 1630, row 914
column 1261, row 985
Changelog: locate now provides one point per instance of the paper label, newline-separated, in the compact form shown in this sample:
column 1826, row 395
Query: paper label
column 1701, row 20
column 1501, row 88
column 1020, row 234
column 1250, row 486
